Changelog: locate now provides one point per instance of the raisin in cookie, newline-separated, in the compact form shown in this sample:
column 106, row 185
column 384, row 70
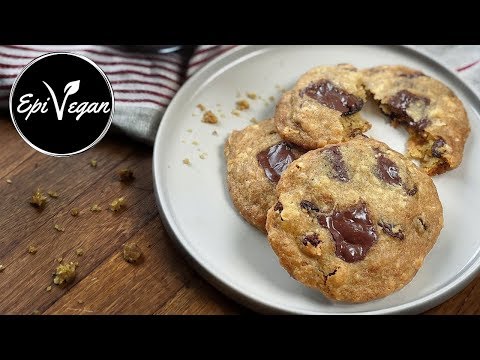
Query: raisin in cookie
column 434, row 116
column 323, row 107
column 256, row 157
column 354, row 220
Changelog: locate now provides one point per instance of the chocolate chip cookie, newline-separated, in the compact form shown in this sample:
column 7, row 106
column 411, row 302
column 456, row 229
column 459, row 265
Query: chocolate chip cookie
column 432, row 113
column 323, row 107
column 256, row 157
column 354, row 220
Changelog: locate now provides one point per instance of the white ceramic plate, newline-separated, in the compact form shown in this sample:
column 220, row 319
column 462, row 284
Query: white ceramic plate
column 197, row 210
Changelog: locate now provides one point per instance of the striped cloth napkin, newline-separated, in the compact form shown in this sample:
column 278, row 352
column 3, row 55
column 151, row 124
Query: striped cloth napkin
column 145, row 83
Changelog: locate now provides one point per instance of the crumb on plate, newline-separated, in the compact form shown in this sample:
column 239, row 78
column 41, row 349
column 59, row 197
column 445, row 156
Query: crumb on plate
column 252, row 95
column 209, row 117
column 253, row 120
column 201, row 107
column 186, row 161
column 214, row 133
column 242, row 105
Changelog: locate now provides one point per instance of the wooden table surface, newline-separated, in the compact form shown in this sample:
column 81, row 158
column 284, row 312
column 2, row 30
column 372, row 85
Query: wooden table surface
column 105, row 283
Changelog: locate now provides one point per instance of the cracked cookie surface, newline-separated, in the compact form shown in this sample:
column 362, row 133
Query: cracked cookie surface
column 354, row 220
column 256, row 157
column 431, row 112
column 323, row 107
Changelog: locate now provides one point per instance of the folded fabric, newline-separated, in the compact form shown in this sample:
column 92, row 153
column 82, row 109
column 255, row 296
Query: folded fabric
column 145, row 83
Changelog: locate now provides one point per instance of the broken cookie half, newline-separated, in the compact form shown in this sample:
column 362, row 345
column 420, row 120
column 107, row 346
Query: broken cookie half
column 433, row 115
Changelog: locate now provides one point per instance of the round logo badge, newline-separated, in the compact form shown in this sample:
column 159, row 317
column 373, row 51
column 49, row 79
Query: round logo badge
column 62, row 104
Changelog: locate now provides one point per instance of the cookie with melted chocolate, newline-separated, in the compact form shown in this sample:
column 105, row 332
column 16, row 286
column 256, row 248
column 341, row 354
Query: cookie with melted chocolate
column 256, row 157
column 323, row 107
column 432, row 113
column 354, row 220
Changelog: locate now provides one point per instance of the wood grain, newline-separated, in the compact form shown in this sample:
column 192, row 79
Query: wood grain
column 105, row 284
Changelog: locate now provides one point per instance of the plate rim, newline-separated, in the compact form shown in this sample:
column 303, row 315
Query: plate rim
column 422, row 304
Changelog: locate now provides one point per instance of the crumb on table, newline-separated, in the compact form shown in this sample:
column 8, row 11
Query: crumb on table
column 209, row 117
column 36, row 312
column 117, row 204
column 38, row 199
column 132, row 253
column 126, row 175
column 52, row 194
column 252, row 95
column 64, row 274
column 49, row 288
column 2, row 267
column 80, row 302
column 95, row 208
column 93, row 163
column 201, row 107
column 242, row 105
column 79, row 252
column 75, row 212
column 32, row 250
column 186, row 161
column 59, row 228
column 9, row 181
column 59, row 259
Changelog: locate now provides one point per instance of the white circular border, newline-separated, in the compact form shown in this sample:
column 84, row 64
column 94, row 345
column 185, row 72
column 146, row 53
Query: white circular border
column 97, row 140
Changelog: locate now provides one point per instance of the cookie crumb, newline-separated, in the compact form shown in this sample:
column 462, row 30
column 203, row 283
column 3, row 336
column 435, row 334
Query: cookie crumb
column 95, row 208
column 32, row 250
column 126, row 175
column 242, row 105
column 209, row 118
column 38, row 199
column 195, row 143
column 203, row 156
column 186, row 161
column 64, row 274
column 253, row 120
column 79, row 252
column 52, row 194
column 75, row 212
column 271, row 98
column 201, row 107
column 252, row 95
column 235, row 112
column 9, row 181
column 80, row 302
column 2, row 267
column 60, row 259
column 59, row 228
column 49, row 288
column 189, row 130
column 93, row 163
column 132, row 253
column 214, row 133
column 36, row 312
column 117, row 204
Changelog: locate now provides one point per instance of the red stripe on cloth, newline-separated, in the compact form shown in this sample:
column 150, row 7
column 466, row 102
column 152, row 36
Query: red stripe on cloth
column 210, row 57
column 10, row 66
column 141, row 82
column 15, row 56
column 161, row 57
column 142, row 100
column 210, row 48
column 467, row 66
column 144, row 92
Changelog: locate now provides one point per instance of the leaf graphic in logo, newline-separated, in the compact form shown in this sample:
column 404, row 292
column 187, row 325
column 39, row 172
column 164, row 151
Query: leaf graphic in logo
column 71, row 88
